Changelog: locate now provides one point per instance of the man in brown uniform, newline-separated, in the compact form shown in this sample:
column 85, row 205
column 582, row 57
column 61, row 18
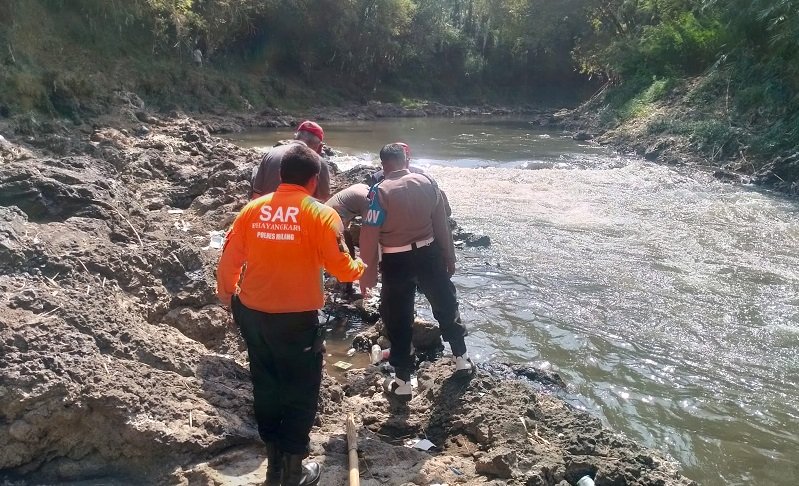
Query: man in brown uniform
column 406, row 217
column 266, row 176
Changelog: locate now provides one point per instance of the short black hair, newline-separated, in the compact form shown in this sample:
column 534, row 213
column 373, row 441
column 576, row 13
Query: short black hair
column 299, row 165
column 392, row 154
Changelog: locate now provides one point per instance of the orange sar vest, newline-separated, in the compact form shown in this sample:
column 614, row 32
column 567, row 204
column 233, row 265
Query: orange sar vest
column 276, row 250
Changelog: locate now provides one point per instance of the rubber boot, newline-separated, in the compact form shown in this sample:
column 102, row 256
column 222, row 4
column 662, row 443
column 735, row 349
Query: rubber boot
column 274, row 465
column 297, row 474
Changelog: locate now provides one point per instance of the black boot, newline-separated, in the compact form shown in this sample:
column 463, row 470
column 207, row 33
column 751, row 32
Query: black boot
column 297, row 474
column 274, row 465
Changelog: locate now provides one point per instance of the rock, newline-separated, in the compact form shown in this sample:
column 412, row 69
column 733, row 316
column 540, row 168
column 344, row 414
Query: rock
column 498, row 462
column 426, row 335
column 141, row 131
column 55, row 193
column 207, row 325
column 111, row 136
column 145, row 117
column 467, row 238
column 129, row 100
column 781, row 173
column 10, row 152
column 583, row 136
column 728, row 176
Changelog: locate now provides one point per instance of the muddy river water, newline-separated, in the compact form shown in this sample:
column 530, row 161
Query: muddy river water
column 669, row 301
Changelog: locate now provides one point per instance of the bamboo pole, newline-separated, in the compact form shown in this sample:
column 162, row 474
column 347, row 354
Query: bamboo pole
column 352, row 447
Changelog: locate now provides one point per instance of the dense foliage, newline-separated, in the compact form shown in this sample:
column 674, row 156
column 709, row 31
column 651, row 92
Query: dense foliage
column 446, row 49
column 743, row 53
column 56, row 53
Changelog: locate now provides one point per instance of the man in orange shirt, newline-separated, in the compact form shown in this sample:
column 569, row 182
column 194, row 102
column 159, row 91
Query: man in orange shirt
column 270, row 273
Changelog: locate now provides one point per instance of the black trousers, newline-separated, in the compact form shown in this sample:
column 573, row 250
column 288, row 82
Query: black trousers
column 402, row 273
column 286, row 373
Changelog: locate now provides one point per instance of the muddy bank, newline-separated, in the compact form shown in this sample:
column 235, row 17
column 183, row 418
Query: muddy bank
column 118, row 366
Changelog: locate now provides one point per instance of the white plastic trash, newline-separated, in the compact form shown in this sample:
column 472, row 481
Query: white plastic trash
column 585, row 481
column 217, row 239
column 378, row 354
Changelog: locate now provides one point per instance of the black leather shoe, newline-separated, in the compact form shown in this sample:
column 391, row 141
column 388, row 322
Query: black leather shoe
column 297, row 474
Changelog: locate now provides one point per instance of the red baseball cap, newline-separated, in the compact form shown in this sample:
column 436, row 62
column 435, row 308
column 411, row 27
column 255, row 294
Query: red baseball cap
column 312, row 127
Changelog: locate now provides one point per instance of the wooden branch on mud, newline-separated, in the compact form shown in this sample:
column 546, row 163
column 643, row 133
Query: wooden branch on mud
column 352, row 447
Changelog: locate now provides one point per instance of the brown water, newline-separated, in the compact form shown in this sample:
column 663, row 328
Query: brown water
column 668, row 300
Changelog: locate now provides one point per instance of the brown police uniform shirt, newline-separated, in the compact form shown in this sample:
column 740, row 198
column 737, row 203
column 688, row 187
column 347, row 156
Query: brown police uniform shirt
column 267, row 175
column 413, row 210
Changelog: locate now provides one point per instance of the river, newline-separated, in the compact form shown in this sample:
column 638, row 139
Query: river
column 669, row 301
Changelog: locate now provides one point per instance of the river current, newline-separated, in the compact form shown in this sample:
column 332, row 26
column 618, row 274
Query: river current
column 669, row 301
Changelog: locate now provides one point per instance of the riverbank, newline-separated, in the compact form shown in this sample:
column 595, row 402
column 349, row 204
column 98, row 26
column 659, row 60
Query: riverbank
column 119, row 366
column 685, row 122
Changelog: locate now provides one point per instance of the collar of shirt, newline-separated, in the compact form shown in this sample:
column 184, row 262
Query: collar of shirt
column 397, row 174
column 286, row 187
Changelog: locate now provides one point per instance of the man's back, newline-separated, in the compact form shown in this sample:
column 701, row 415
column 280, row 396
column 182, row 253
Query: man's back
column 285, row 238
column 350, row 202
column 266, row 176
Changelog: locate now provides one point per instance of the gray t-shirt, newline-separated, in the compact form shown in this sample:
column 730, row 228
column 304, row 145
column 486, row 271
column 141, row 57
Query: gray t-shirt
column 350, row 202
column 266, row 176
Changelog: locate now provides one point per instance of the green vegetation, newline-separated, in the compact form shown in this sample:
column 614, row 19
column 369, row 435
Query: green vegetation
column 61, row 56
column 731, row 66
column 738, row 59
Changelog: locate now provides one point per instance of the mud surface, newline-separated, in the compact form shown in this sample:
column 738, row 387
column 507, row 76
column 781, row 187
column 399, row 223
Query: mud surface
column 118, row 367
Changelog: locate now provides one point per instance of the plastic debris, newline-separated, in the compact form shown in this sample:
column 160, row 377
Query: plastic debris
column 342, row 365
column 420, row 444
column 217, row 239
column 378, row 354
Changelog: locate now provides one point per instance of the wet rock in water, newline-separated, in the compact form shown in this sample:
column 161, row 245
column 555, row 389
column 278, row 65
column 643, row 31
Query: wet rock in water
column 781, row 173
column 364, row 340
column 583, row 136
column 471, row 240
column 426, row 335
column 544, row 376
column 728, row 176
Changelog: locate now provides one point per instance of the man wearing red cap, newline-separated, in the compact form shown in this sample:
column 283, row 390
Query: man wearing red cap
column 266, row 177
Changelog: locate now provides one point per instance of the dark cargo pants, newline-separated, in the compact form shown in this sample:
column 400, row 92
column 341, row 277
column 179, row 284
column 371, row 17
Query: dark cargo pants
column 401, row 274
column 286, row 373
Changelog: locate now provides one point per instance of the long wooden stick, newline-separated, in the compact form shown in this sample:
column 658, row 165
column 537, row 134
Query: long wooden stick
column 352, row 447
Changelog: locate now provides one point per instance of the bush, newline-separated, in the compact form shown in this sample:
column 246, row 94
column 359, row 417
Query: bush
column 635, row 98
